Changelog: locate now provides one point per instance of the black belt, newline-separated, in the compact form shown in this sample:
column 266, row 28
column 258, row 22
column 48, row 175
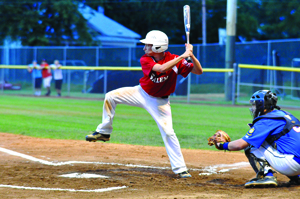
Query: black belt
column 164, row 97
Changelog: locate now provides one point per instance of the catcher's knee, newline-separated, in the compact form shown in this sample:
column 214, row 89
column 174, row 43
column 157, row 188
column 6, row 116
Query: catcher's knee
column 259, row 165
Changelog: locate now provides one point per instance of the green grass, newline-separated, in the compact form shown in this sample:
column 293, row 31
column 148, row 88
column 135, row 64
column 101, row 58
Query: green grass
column 65, row 118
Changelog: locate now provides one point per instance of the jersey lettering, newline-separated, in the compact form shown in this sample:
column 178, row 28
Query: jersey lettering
column 156, row 79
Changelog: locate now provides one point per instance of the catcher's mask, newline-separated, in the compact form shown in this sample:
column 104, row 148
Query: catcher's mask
column 262, row 101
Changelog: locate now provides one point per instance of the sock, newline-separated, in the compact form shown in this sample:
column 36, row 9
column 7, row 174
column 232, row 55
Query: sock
column 270, row 173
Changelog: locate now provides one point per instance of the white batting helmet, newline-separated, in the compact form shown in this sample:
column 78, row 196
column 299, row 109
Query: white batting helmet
column 158, row 39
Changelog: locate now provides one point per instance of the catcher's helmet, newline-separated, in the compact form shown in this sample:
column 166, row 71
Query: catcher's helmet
column 158, row 39
column 262, row 101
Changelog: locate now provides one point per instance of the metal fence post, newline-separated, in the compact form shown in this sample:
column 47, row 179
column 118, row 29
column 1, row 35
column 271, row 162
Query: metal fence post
column 105, row 82
column 69, row 82
column 2, row 80
column 268, row 60
column 189, row 88
column 129, row 56
column 97, row 62
column 238, row 82
column 233, row 83
column 69, row 72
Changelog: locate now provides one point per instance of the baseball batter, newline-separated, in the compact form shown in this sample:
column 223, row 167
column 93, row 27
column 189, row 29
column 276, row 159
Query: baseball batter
column 272, row 141
column 160, row 69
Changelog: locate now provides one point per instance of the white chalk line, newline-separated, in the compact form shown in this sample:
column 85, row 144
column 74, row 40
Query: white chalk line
column 51, row 164
column 45, row 162
column 59, row 189
column 82, row 175
column 214, row 169
column 206, row 171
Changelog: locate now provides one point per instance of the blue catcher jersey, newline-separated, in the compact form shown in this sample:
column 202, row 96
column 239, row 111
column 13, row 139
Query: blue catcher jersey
column 265, row 127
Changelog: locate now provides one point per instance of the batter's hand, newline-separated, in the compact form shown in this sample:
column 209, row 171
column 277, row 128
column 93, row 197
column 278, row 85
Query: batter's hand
column 189, row 47
column 188, row 51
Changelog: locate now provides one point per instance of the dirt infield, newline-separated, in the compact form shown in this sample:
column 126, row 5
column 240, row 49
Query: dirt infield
column 32, row 168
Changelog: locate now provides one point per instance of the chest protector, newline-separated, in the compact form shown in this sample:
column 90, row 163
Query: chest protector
column 291, row 121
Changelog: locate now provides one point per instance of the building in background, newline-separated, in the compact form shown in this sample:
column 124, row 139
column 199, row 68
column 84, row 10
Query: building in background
column 109, row 32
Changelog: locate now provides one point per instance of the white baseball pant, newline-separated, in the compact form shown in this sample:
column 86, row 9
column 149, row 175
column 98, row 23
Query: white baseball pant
column 283, row 163
column 47, row 81
column 158, row 108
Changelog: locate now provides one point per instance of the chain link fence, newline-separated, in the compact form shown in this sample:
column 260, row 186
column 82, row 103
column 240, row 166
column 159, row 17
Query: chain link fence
column 208, row 87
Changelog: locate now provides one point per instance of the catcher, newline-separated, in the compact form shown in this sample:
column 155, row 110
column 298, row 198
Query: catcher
column 272, row 141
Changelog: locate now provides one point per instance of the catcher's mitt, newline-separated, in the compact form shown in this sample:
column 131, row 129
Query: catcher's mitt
column 219, row 137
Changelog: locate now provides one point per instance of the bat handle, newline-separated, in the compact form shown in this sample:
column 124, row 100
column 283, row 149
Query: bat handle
column 189, row 60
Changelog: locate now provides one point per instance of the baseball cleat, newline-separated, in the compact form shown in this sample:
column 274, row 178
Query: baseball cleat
column 267, row 181
column 97, row 136
column 185, row 174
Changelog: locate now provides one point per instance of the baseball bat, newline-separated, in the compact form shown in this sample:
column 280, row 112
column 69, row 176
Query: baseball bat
column 187, row 25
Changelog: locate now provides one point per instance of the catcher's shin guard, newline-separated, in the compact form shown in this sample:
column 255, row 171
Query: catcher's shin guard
column 261, row 167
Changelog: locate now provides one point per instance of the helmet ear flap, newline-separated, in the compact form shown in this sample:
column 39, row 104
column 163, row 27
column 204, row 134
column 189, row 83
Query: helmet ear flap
column 159, row 48
column 270, row 100
column 156, row 48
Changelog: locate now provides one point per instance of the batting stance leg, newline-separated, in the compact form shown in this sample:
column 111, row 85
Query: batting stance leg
column 126, row 95
column 158, row 108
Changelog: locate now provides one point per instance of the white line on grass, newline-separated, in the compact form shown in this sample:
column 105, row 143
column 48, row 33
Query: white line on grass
column 59, row 189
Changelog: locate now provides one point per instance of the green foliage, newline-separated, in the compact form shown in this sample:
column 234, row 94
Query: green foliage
column 256, row 19
column 43, row 23
column 280, row 19
column 56, row 22
column 60, row 118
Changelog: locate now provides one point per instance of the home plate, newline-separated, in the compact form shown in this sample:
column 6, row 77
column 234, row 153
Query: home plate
column 83, row 175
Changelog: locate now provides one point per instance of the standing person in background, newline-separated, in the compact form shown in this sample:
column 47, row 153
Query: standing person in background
column 58, row 76
column 47, row 76
column 36, row 72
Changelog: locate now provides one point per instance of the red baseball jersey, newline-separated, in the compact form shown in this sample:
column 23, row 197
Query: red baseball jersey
column 46, row 72
column 159, row 84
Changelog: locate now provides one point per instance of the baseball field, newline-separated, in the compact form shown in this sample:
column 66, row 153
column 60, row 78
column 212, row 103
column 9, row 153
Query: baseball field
column 43, row 152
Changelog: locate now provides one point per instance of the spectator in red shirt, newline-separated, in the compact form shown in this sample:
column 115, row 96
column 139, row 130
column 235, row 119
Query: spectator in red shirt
column 47, row 76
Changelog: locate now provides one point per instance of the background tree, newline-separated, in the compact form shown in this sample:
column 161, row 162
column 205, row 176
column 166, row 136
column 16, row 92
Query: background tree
column 42, row 23
column 256, row 19
column 280, row 19
column 57, row 22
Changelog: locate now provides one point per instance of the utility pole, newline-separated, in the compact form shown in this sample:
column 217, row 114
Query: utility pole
column 203, row 49
column 230, row 46
column 203, row 22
